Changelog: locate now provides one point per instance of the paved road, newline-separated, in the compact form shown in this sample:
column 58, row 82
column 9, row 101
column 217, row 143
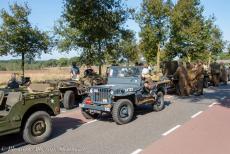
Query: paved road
column 208, row 133
column 74, row 134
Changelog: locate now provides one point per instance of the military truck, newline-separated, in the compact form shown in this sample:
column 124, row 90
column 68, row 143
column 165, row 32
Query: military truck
column 73, row 92
column 28, row 114
column 124, row 91
column 216, row 74
column 168, row 70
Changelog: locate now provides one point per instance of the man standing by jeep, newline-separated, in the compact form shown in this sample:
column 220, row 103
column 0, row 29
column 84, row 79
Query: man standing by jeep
column 75, row 72
column 13, row 83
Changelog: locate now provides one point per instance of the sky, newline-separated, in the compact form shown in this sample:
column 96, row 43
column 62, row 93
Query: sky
column 46, row 12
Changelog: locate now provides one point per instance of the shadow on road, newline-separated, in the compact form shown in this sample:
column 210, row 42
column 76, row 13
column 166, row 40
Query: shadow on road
column 211, row 95
column 139, row 110
column 60, row 126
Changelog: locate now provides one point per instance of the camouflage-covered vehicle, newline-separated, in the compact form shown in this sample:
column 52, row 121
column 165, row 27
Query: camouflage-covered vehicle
column 73, row 92
column 168, row 70
column 216, row 74
column 28, row 114
column 124, row 91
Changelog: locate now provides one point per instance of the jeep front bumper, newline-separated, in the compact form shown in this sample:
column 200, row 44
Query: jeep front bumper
column 106, row 108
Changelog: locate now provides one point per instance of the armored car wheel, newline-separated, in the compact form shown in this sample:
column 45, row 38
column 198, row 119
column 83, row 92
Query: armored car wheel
column 69, row 100
column 159, row 104
column 89, row 115
column 122, row 112
column 37, row 128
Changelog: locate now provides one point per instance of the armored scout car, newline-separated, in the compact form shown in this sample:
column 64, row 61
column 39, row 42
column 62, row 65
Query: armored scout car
column 124, row 91
column 28, row 114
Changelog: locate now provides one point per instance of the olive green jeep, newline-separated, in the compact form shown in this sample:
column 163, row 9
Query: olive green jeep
column 28, row 114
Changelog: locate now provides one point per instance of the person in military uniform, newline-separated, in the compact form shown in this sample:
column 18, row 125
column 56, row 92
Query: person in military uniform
column 183, row 81
column 13, row 83
column 148, row 82
column 75, row 71
column 89, row 71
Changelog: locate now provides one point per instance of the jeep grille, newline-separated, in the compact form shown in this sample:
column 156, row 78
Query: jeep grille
column 101, row 96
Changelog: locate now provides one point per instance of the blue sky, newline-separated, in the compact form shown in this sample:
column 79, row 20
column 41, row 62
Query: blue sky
column 46, row 12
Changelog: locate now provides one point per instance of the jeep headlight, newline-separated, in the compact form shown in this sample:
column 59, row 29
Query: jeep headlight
column 91, row 90
column 111, row 92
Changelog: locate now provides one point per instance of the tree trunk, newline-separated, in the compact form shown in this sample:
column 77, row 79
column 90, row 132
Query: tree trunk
column 189, row 58
column 209, row 58
column 23, row 65
column 158, row 57
column 100, row 60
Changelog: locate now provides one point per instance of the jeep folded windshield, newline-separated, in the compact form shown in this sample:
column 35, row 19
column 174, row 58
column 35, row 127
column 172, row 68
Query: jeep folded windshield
column 118, row 72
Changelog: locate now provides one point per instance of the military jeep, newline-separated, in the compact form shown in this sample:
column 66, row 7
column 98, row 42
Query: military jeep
column 124, row 91
column 28, row 114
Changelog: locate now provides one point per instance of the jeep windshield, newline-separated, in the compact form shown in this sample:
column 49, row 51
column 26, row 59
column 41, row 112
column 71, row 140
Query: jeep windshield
column 121, row 72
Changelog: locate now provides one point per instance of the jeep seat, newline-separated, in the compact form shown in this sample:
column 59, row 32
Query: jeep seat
column 3, row 113
column 12, row 99
column 1, row 100
column 1, row 97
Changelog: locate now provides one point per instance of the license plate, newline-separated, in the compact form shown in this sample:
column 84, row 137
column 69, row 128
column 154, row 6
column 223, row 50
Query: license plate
column 81, row 105
column 104, row 100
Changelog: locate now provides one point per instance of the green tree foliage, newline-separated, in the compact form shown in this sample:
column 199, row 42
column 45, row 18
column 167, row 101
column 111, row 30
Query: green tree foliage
column 214, row 41
column 228, row 47
column 18, row 37
column 125, row 51
column 192, row 35
column 187, row 37
column 154, row 22
column 14, row 65
column 92, row 26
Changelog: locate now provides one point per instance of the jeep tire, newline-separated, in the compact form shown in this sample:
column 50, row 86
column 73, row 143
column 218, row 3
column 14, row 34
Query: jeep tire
column 86, row 114
column 37, row 128
column 69, row 100
column 159, row 103
column 122, row 111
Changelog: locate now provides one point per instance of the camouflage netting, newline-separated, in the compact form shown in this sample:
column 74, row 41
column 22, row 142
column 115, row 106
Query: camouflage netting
column 215, row 68
column 91, row 80
column 169, row 68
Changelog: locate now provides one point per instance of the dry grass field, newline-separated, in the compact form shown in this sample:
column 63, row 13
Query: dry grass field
column 45, row 74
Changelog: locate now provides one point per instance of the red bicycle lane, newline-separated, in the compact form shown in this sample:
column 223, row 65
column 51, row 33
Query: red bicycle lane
column 207, row 133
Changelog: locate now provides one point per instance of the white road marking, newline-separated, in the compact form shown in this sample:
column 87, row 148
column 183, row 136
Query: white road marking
column 91, row 121
column 63, row 111
column 171, row 130
column 211, row 105
column 195, row 115
column 136, row 151
column 223, row 98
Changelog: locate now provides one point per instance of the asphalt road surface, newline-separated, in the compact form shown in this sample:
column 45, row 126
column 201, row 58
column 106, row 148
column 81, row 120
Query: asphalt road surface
column 74, row 134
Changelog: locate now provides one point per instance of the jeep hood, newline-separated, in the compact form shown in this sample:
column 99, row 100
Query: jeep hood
column 119, row 86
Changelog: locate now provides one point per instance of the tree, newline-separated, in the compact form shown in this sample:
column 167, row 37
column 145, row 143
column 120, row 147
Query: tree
column 214, row 40
column 154, row 22
column 18, row 37
column 126, row 50
column 228, row 48
column 187, row 36
column 92, row 26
